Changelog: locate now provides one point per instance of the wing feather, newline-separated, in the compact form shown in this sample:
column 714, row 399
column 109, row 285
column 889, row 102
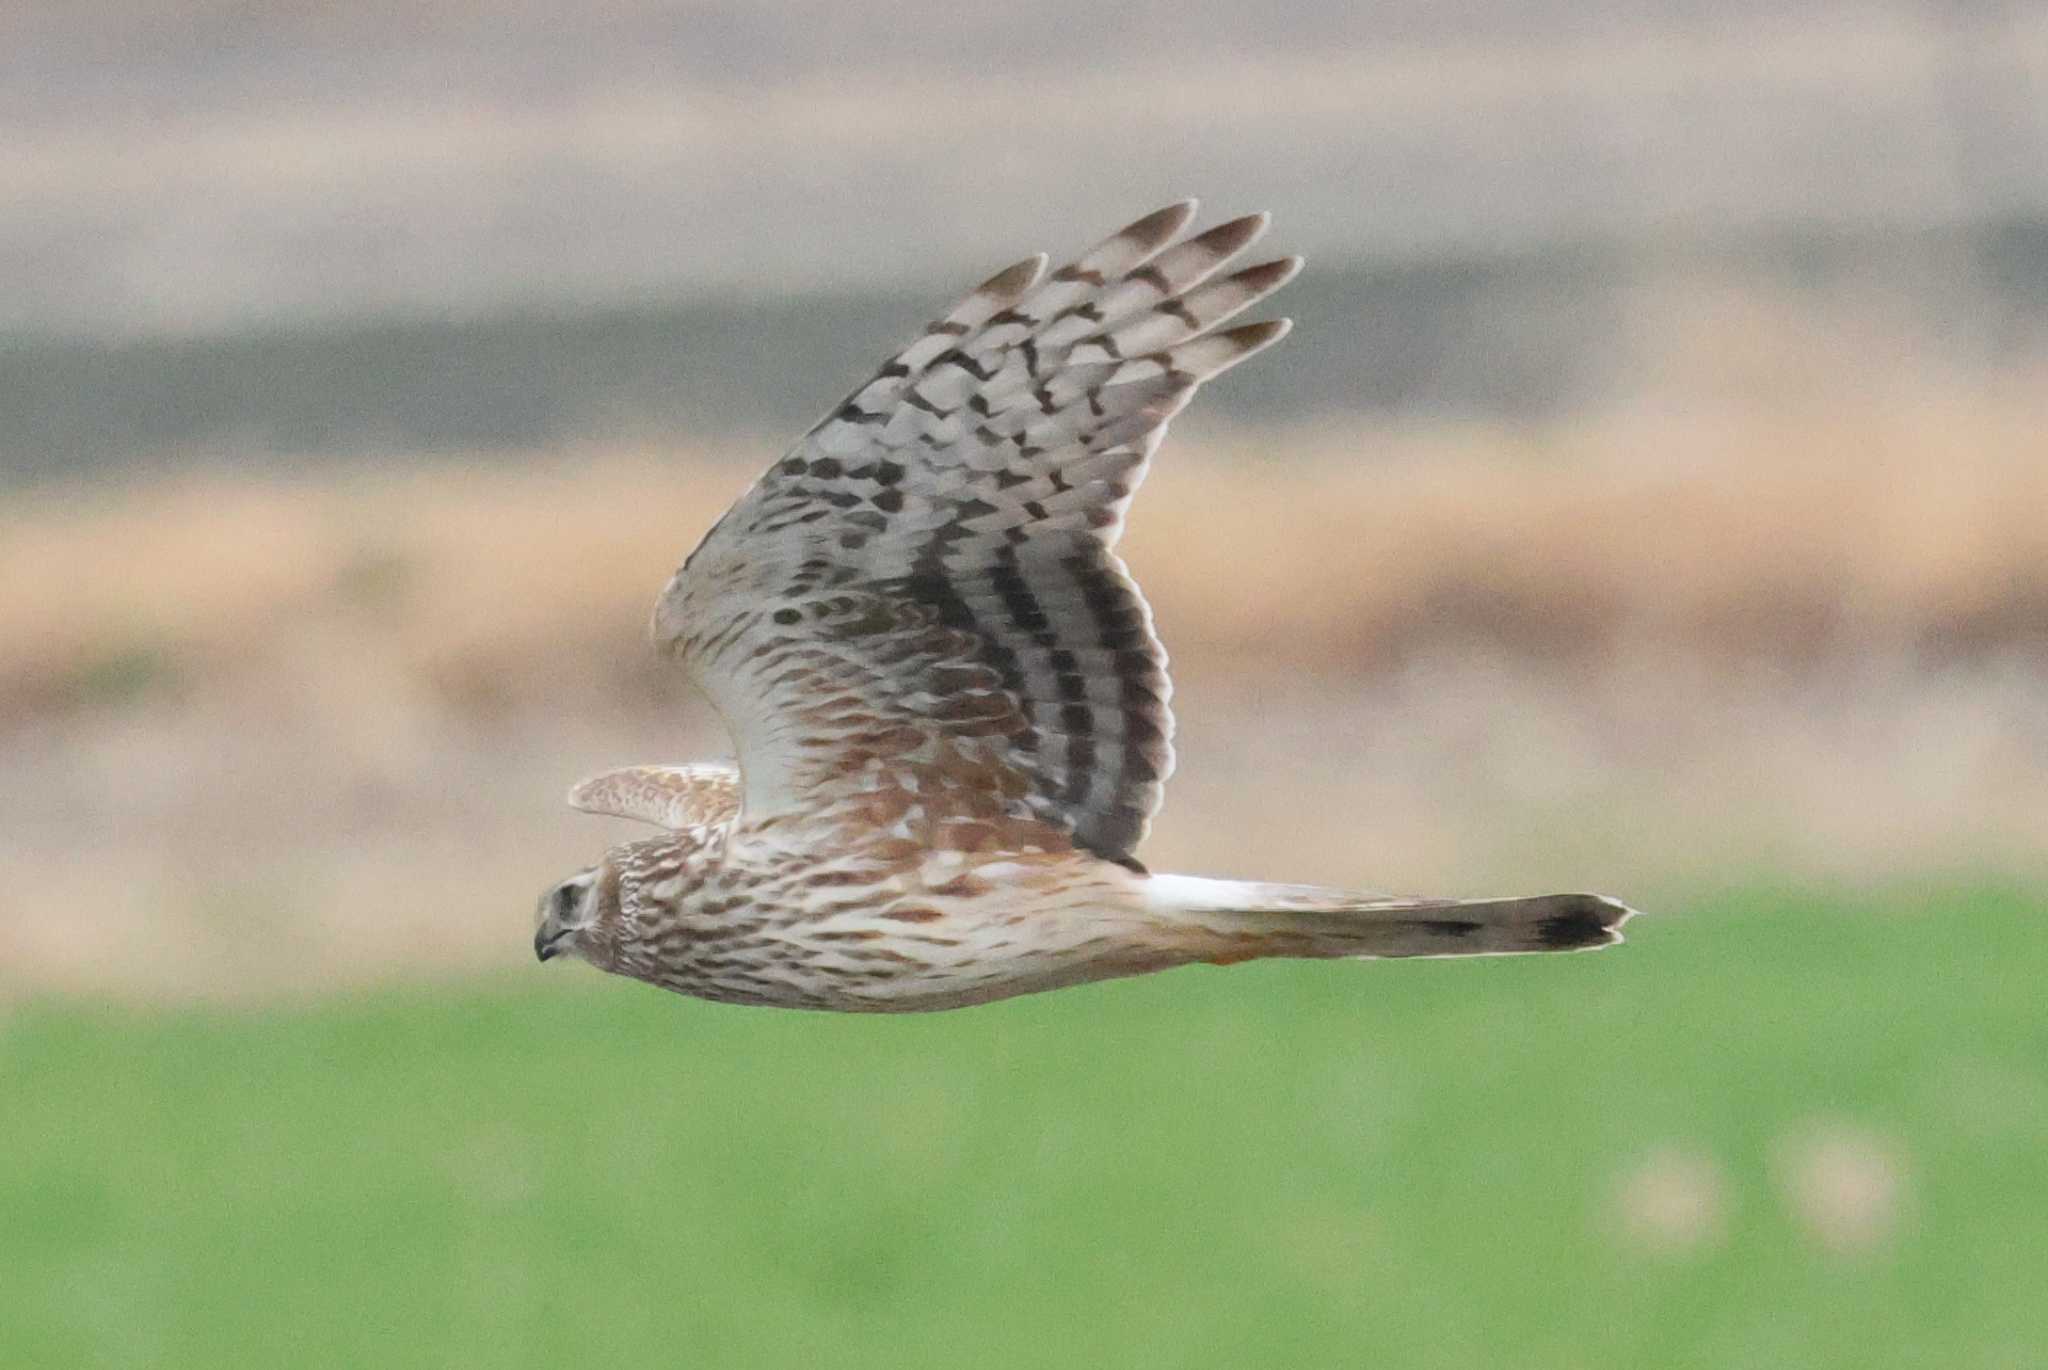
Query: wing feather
column 917, row 614
column 673, row 797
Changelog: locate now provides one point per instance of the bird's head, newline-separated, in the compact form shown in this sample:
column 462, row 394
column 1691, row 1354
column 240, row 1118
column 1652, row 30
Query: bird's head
column 569, row 915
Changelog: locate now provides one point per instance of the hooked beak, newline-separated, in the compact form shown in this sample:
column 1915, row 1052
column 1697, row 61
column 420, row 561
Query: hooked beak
column 564, row 910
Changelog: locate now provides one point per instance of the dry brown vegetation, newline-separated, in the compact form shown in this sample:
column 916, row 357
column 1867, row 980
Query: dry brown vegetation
column 277, row 732
column 1914, row 535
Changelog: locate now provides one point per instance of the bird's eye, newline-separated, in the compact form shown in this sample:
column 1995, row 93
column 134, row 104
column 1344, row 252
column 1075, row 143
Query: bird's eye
column 567, row 897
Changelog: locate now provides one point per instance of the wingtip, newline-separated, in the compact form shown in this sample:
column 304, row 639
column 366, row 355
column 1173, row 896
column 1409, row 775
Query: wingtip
column 1267, row 277
column 1212, row 354
column 1013, row 280
column 1256, row 337
column 1233, row 236
column 1162, row 224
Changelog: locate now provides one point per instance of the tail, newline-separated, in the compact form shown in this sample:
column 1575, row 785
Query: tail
column 1232, row 920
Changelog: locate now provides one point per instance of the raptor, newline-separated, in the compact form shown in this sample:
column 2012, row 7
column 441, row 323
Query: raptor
column 948, row 704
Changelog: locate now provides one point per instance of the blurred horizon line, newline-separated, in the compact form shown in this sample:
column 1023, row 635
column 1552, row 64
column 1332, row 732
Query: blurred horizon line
column 1528, row 336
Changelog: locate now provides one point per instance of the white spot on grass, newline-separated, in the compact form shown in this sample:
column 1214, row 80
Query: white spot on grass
column 1674, row 1202
column 1844, row 1184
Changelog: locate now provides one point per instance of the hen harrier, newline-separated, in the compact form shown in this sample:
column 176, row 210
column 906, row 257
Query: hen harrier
column 948, row 704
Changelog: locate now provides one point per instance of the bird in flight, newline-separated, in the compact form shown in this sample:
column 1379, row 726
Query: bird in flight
column 947, row 702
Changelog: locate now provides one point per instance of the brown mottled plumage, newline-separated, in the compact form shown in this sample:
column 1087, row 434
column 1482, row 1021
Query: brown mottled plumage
column 948, row 703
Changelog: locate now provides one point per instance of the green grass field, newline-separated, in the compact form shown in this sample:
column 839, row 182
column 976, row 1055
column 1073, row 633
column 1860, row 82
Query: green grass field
column 1277, row 1165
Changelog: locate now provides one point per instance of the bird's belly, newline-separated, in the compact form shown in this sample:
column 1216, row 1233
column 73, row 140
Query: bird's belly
column 878, row 964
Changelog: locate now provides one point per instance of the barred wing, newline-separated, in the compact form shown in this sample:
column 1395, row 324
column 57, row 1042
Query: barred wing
column 704, row 794
column 917, row 612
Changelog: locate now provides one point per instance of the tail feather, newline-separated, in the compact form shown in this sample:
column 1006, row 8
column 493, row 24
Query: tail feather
column 1239, row 920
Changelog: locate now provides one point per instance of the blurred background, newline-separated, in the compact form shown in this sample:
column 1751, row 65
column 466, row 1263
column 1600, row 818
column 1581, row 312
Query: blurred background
column 1650, row 499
